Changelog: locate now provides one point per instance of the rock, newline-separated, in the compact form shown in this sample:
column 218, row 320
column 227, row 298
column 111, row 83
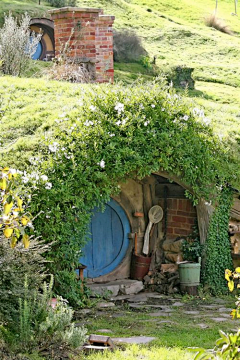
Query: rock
column 203, row 326
column 104, row 305
column 219, row 319
column 177, row 304
column 131, row 287
column 138, row 298
column 209, row 307
column 160, row 313
column 103, row 289
column 191, row 312
column 84, row 311
column 134, row 340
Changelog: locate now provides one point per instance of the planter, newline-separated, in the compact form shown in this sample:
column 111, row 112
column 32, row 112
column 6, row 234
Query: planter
column 139, row 266
column 189, row 274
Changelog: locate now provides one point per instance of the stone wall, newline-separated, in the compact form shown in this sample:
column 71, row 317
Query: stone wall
column 181, row 216
column 87, row 34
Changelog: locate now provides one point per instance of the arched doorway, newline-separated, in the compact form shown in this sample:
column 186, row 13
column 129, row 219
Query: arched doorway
column 108, row 241
column 45, row 49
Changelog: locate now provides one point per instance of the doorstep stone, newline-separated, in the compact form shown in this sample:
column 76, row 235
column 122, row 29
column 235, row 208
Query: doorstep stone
column 104, row 289
column 128, row 287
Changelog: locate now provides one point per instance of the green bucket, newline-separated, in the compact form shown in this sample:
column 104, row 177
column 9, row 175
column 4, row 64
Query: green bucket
column 189, row 274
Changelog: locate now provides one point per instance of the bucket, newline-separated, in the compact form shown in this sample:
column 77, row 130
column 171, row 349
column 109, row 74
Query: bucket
column 140, row 266
column 189, row 274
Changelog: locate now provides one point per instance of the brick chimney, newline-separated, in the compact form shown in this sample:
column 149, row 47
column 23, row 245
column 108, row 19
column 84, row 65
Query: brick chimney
column 90, row 37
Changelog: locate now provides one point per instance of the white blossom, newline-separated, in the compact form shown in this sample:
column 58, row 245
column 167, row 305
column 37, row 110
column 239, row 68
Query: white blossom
column 48, row 185
column 102, row 164
column 53, row 147
column 93, row 108
column 44, row 177
column 185, row 117
column 25, row 179
column 153, row 106
column 119, row 107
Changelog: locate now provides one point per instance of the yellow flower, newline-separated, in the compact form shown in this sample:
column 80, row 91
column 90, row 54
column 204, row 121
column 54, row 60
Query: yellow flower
column 231, row 285
column 7, row 208
column 25, row 220
column 8, row 232
column 26, row 241
column 237, row 270
column 3, row 184
column 227, row 274
column 13, row 242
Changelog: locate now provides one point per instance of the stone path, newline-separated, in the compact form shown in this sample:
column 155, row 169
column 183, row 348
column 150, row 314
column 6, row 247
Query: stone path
column 159, row 309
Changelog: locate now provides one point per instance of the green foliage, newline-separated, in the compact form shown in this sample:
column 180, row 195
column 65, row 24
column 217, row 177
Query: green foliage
column 62, row 3
column 218, row 251
column 127, row 46
column 40, row 327
column 15, row 54
column 115, row 134
column 14, row 266
column 191, row 247
column 227, row 348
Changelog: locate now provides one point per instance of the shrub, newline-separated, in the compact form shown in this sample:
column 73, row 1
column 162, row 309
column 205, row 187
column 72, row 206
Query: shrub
column 127, row 46
column 218, row 24
column 40, row 327
column 62, row 3
column 17, row 44
column 15, row 264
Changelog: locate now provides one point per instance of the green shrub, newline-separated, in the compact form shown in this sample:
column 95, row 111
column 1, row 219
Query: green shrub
column 15, row 54
column 15, row 264
column 62, row 3
column 42, row 328
column 127, row 46
column 218, row 247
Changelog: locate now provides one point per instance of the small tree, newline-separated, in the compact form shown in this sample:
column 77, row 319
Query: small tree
column 17, row 44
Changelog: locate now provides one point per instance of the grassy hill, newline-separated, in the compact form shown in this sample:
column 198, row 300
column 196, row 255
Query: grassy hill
column 176, row 34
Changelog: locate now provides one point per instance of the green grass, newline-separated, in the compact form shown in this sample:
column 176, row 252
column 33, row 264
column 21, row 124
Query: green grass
column 18, row 7
column 141, row 352
column 173, row 338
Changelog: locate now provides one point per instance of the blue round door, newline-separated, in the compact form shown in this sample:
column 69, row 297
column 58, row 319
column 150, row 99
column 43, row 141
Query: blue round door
column 108, row 242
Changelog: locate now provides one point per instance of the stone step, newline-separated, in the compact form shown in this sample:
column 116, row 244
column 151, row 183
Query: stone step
column 114, row 288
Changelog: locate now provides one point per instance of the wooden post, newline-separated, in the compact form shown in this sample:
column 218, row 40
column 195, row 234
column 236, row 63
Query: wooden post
column 81, row 276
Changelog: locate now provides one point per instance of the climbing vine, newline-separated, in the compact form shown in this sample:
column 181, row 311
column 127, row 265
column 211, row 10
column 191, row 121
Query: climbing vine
column 113, row 133
column 218, row 251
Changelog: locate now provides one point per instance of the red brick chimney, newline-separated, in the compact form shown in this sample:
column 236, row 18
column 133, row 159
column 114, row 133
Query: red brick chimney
column 90, row 38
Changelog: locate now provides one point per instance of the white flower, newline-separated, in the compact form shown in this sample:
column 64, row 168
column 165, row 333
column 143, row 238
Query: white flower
column 93, row 108
column 111, row 135
column 48, row 185
column 153, row 105
column 53, row 147
column 12, row 171
column 141, row 106
column 146, row 123
column 88, row 123
column 25, row 179
column 206, row 121
column 119, row 107
column 163, row 109
column 185, row 117
column 44, row 177
column 118, row 123
column 102, row 164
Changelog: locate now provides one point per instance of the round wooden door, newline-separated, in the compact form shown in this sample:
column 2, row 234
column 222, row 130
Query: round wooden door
column 108, row 241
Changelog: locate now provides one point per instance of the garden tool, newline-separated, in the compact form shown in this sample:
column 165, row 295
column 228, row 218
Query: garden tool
column 155, row 215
